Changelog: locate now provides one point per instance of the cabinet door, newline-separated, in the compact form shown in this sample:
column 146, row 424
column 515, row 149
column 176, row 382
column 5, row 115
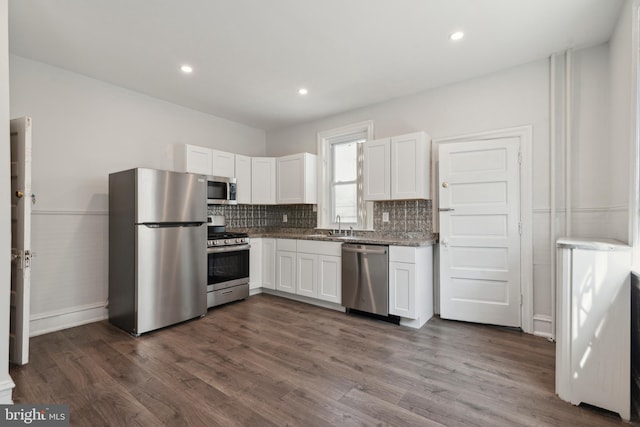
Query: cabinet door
column 296, row 179
column 243, row 179
column 402, row 289
column 410, row 166
column 290, row 179
column 255, row 264
column 269, row 263
column 223, row 164
column 307, row 275
column 330, row 278
column 286, row 271
column 194, row 159
column 377, row 175
column 263, row 180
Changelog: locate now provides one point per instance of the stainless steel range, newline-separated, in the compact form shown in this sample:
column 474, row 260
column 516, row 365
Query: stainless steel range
column 227, row 264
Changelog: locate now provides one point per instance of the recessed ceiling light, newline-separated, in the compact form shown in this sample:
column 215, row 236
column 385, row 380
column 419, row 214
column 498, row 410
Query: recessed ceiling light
column 187, row 69
column 458, row 35
column 303, row 91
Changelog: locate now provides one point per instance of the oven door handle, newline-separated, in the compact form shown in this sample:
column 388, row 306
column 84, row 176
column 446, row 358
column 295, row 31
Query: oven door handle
column 232, row 248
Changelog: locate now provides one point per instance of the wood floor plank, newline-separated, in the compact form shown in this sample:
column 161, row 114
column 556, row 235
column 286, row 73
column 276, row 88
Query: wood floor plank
column 272, row 361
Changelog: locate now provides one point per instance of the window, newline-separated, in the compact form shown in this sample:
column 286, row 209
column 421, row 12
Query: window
column 341, row 189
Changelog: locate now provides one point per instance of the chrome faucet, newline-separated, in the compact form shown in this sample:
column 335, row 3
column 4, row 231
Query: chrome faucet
column 339, row 224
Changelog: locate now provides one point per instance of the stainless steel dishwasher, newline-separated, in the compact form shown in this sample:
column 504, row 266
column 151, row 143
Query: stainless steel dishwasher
column 365, row 278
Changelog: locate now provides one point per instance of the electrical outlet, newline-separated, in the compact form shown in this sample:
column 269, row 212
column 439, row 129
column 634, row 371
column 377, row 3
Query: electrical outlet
column 284, row 218
column 385, row 216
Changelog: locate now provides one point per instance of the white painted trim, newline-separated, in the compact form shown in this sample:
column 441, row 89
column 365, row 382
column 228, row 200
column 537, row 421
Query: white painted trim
column 544, row 319
column 567, row 140
column 323, row 221
column 57, row 320
column 68, row 212
column 552, row 189
column 525, row 135
column 634, row 189
column 307, row 300
column 255, row 291
column 594, row 209
column 6, row 388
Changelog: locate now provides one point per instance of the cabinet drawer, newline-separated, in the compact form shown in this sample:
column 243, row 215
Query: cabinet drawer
column 402, row 254
column 319, row 248
column 286, row 245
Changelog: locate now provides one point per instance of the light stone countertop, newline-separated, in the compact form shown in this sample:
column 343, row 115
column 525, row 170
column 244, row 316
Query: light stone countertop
column 368, row 238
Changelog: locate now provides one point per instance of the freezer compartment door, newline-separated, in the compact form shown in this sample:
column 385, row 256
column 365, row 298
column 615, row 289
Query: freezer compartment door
column 171, row 275
column 164, row 196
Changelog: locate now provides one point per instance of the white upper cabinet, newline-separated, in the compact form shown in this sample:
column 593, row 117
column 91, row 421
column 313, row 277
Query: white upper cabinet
column 194, row 159
column 377, row 169
column 223, row 164
column 243, row 179
column 297, row 179
column 398, row 168
column 263, row 180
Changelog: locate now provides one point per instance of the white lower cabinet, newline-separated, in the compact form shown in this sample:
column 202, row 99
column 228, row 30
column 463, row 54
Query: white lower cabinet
column 307, row 278
column 286, row 265
column 268, row 263
column 411, row 284
column 309, row 268
column 255, row 264
column 330, row 278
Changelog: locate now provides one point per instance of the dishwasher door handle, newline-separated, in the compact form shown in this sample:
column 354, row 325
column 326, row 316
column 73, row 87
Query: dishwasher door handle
column 380, row 251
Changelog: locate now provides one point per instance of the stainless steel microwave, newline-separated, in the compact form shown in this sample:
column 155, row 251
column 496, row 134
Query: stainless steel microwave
column 221, row 191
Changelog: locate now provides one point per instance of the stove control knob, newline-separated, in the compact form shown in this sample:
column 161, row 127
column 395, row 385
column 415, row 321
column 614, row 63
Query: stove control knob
column 227, row 241
column 239, row 240
column 216, row 242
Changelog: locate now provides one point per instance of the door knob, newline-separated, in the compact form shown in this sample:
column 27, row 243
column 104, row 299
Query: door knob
column 19, row 194
column 445, row 184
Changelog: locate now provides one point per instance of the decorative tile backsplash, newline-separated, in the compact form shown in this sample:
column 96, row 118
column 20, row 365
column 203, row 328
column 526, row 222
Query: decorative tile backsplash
column 254, row 216
column 406, row 217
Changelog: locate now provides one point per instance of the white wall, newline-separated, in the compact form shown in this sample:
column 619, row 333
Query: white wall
column 591, row 174
column 621, row 138
column 6, row 385
column 513, row 97
column 83, row 129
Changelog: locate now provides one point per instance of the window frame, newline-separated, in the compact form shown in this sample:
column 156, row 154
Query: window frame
column 325, row 180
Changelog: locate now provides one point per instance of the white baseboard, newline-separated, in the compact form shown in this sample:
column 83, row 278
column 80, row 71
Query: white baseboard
column 542, row 326
column 299, row 298
column 58, row 320
column 6, row 388
column 255, row 291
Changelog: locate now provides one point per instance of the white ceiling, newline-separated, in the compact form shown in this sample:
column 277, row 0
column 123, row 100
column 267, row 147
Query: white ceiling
column 251, row 56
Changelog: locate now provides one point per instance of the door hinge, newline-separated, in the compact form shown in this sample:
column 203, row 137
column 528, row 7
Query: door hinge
column 519, row 157
column 520, row 228
column 521, row 298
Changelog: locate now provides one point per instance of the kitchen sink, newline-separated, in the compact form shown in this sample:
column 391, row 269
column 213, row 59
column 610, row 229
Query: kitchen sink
column 316, row 235
column 346, row 237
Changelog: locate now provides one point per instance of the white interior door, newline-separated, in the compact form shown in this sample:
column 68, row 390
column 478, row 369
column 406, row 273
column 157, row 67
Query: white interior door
column 21, row 199
column 479, row 189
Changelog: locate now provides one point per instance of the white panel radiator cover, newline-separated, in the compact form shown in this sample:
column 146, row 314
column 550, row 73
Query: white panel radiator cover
column 593, row 324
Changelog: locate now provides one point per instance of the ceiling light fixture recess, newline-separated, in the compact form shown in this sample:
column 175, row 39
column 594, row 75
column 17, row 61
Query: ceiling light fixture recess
column 303, row 91
column 458, row 35
column 187, row 69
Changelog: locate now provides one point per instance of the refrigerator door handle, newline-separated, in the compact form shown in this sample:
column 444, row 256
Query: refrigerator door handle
column 171, row 224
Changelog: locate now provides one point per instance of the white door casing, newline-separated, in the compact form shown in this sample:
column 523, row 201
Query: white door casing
column 21, row 200
column 479, row 189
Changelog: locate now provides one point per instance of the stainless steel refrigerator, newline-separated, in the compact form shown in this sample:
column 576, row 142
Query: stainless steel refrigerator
column 157, row 248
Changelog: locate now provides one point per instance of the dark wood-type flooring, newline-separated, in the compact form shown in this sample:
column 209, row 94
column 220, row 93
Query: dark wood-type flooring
column 271, row 361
